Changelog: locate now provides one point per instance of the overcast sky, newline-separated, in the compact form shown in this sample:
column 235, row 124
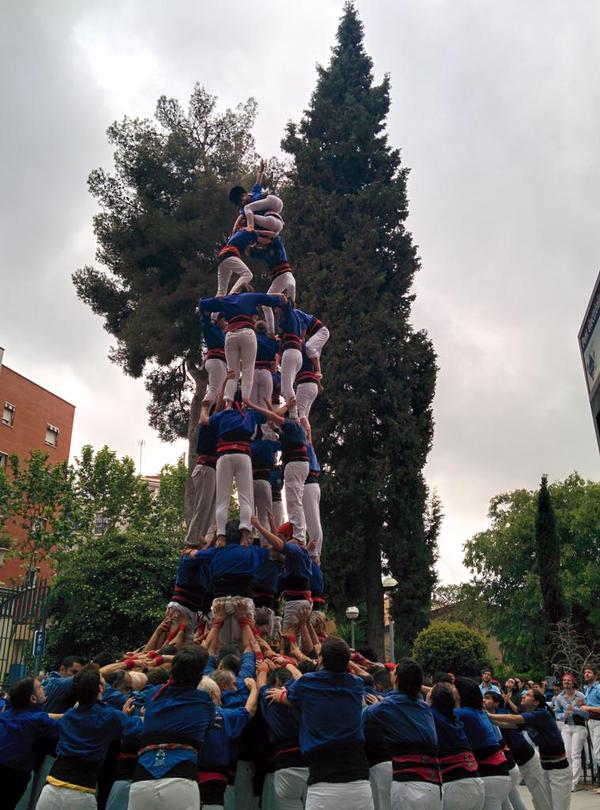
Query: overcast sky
column 496, row 109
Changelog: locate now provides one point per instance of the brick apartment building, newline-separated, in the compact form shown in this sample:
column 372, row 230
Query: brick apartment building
column 32, row 419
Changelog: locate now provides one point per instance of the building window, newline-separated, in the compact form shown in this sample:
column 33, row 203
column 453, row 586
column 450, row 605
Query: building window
column 3, row 460
column 51, row 435
column 8, row 414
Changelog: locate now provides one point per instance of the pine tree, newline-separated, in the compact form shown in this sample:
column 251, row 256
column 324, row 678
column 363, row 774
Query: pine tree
column 547, row 540
column 164, row 214
column 345, row 209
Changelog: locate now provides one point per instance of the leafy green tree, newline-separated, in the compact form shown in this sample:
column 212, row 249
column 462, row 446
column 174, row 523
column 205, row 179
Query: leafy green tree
column 164, row 212
column 110, row 594
column 506, row 576
column 547, row 541
column 37, row 499
column 450, row 647
column 110, row 494
column 345, row 208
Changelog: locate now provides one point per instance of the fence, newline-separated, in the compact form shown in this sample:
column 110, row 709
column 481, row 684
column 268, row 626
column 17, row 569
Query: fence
column 23, row 614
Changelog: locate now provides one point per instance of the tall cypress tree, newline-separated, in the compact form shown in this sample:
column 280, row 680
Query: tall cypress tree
column 547, row 540
column 345, row 210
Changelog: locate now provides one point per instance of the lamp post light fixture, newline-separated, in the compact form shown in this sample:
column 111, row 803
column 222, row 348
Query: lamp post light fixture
column 352, row 614
column 389, row 585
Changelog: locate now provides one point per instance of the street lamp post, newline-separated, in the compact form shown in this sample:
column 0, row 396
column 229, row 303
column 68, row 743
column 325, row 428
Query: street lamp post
column 389, row 586
column 352, row 613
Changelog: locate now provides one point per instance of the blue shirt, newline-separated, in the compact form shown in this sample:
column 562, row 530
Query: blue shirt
column 59, row 693
column 479, row 728
column 592, row 694
column 297, row 561
column 237, row 560
column 290, row 323
column 400, row 720
column 179, row 713
column 317, row 585
column 491, row 687
column 242, row 423
column 214, row 336
column 266, row 349
column 228, row 726
column 240, row 304
column 193, row 571
column 562, row 702
column 542, row 729
column 450, row 734
column 19, row 730
column 330, row 707
column 267, row 576
column 282, row 721
column 273, row 254
column 263, row 452
column 242, row 239
column 86, row 732
column 313, row 462
column 206, row 440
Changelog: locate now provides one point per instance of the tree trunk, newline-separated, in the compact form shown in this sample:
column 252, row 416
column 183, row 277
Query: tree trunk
column 375, row 632
column 200, row 389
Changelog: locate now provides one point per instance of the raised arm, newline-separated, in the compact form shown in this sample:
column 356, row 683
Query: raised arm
column 252, row 701
column 272, row 416
column 260, row 173
column 274, row 540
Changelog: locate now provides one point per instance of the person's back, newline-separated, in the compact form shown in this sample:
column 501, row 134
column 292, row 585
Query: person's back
column 176, row 720
column 86, row 732
column 331, row 732
column 22, row 725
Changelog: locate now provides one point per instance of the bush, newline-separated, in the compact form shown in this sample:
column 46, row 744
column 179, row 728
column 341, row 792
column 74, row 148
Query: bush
column 450, row 647
column 110, row 593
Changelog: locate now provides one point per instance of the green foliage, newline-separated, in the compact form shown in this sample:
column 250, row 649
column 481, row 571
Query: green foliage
column 548, row 555
column 345, row 208
column 506, row 573
column 164, row 213
column 37, row 497
column 110, row 593
column 450, row 647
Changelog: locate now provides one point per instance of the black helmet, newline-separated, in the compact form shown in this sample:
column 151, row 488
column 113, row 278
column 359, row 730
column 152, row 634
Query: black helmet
column 236, row 194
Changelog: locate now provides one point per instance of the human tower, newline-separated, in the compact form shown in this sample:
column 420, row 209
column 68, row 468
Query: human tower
column 260, row 348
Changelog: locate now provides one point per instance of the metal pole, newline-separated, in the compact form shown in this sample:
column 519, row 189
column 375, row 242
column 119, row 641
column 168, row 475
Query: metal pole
column 353, row 640
column 392, row 642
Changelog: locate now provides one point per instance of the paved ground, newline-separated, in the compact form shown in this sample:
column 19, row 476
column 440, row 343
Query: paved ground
column 581, row 800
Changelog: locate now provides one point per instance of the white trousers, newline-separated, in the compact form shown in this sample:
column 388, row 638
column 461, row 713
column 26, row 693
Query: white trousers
column 294, row 476
column 380, row 779
column 118, row 798
column 203, row 485
column 314, row 345
column 340, row 796
column 291, row 363
column 306, row 393
column 412, row 795
column 263, row 504
column 295, row 613
column 232, row 264
column 497, row 789
column 216, row 370
column 240, row 354
column 244, row 791
column 278, row 512
column 269, row 203
column 164, row 794
column 559, row 787
column 514, row 801
column 311, row 503
column 55, row 798
column 533, row 776
column 262, row 387
column 238, row 467
column 266, row 222
column 290, row 788
column 574, row 738
column 464, row 794
column 594, row 729
column 284, row 282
